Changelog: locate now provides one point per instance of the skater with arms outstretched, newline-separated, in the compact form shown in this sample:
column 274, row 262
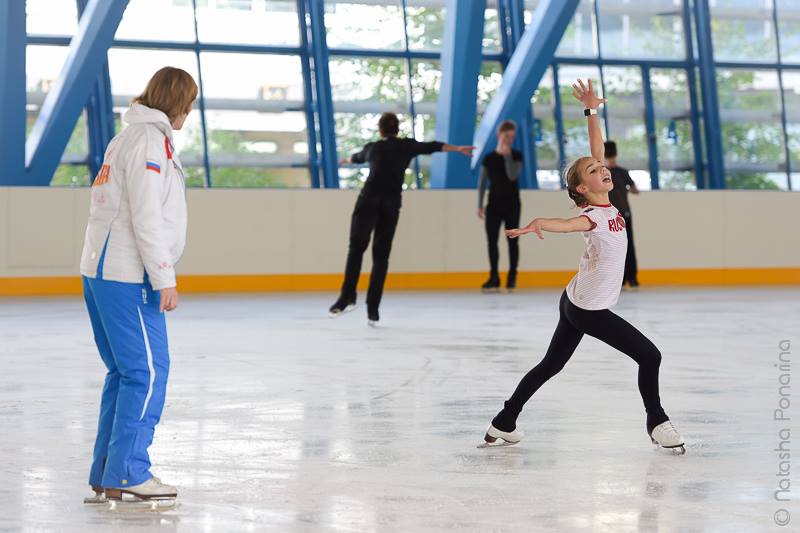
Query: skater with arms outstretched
column 583, row 308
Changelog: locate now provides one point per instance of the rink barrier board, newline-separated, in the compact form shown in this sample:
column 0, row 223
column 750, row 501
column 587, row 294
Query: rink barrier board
column 66, row 285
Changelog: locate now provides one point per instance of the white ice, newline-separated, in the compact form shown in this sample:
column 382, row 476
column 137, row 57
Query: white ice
column 279, row 418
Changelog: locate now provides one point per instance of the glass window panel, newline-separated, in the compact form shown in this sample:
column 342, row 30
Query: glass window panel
column 791, row 94
column 673, row 128
column 491, row 32
column 425, row 25
column 579, row 37
column 253, row 121
column 157, row 20
column 51, row 17
column 426, row 80
column 626, row 120
column 544, row 133
column 354, row 25
column 651, row 29
column 575, row 131
column 67, row 175
column 43, row 67
column 789, row 26
column 130, row 71
column 371, row 78
column 752, row 135
column 742, row 30
column 267, row 22
column 489, row 79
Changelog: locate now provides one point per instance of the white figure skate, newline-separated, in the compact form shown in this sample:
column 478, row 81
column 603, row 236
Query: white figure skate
column 493, row 435
column 666, row 436
column 152, row 495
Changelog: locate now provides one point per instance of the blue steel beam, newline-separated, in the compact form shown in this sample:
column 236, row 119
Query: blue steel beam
column 525, row 69
column 308, row 94
column 72, row 89
column 650, row 126
column 456, row 111
column 99, row 113
column 712, row 125
column 201, row 99
column 786, row 153
column 691, row 80
column 324, row 101
column 12, row 93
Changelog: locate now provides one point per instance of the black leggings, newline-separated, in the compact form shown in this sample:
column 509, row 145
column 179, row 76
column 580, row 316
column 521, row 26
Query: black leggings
column 604, row 325
column 496, row 214
column 370, row 214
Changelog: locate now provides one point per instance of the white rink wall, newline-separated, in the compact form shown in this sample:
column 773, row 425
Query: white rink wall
column 268, row 231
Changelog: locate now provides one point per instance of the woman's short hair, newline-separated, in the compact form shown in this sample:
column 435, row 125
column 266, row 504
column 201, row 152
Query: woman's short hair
column 170, row 90
column 389, row 125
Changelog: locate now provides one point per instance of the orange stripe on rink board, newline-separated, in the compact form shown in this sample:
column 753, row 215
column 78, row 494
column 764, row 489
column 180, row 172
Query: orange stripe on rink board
column 55, row 286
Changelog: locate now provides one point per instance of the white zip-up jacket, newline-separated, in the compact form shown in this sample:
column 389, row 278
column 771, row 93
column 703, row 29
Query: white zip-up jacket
column 137, row 217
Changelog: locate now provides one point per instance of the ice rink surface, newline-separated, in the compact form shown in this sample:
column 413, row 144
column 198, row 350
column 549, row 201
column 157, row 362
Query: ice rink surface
column 281, row 419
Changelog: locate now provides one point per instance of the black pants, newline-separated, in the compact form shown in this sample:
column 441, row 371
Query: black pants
column 496, row 214
column 380, row 215
column 630, row 259
column 604, row 325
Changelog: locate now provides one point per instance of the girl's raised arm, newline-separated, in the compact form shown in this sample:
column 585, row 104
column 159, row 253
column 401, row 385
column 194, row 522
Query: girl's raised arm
column 591, row 101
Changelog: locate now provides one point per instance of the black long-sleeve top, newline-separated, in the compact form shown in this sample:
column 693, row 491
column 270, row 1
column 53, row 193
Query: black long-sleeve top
column 388, row 160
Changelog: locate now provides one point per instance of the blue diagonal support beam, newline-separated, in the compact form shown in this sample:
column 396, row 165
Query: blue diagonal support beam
column 456, row 111
column 72, row 89
column 12, row 93
column 525, row 70
column 99, row 112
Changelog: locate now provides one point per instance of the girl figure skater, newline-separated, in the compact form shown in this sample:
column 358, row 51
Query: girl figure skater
column 584, row 304
column 135, row 236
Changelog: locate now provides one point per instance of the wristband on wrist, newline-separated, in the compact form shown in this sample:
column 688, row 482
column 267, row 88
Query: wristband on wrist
column 587, row 112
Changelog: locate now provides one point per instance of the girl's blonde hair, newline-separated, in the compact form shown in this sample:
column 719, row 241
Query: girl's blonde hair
column 572, row 175
column 170, row 90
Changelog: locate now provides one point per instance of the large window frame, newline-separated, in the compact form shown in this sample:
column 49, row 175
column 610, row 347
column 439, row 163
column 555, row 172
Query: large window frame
column 421, row 113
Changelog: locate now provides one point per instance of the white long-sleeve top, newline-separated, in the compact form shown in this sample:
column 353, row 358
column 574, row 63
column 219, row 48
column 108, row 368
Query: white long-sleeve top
column 138, row 214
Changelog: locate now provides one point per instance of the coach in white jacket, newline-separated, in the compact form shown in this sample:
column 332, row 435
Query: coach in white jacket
column 135, row 236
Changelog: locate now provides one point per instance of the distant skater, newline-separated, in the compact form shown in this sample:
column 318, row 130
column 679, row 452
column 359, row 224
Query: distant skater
column 619, row 199
column 378, row 209
column 584, row 305
column 500, row 174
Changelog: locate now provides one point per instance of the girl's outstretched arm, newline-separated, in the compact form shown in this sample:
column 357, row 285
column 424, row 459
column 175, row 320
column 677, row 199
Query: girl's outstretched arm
column 591, row 101
column 553, row 225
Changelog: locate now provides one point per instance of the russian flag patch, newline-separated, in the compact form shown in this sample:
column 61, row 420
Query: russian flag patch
column 152, row 165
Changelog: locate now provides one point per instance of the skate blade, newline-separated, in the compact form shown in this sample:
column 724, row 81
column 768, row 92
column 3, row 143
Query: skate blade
column 142, row 505
column 491, row 291
column 95, row 500
column 372, row 323
column 680, row 449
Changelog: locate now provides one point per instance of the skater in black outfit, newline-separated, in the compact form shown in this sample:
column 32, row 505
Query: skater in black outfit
column 619, row 199
column 583, row 309
column 501, row 169
column 378, row 209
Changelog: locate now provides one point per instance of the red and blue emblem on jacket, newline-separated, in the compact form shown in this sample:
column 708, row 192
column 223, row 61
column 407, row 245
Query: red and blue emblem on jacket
column 152, row 165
